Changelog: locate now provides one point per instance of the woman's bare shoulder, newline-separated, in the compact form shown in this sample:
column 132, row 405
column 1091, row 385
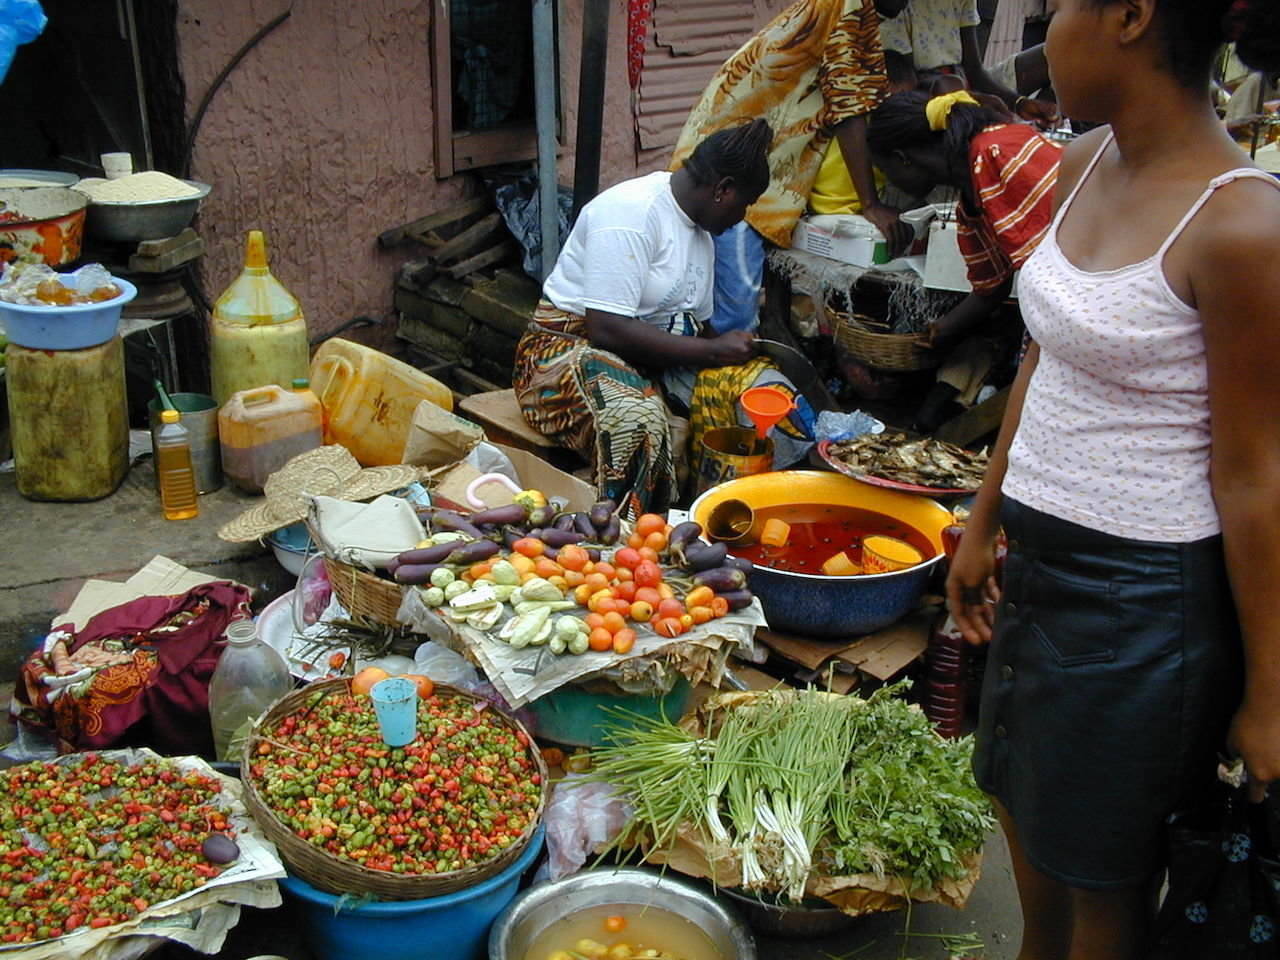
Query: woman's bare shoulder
column 1075, row 159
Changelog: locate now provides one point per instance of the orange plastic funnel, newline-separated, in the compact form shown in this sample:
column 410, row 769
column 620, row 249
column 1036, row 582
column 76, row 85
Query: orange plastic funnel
column 766, row 406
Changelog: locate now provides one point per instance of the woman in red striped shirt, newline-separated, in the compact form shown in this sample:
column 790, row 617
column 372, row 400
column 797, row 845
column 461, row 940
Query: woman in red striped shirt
column 1005, row 172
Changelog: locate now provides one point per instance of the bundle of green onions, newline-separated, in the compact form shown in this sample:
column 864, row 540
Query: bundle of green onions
column 797, row 783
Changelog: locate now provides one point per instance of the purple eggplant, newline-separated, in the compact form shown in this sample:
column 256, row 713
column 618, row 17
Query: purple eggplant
column 477, row 551
column 742, row 563
column 416, row 572
column 448, row 520
column 601, row 513
column 593, row 554
column 512, row 513
column 582, row 523
column 721, row 579
column 737, row 599
column 563, row 522
column 560, row 538
column 509, row 537
column 551, row 552
column 683, row 535
column 435, row 554
column 705, row 556
column 611, row 532
column 541, row 516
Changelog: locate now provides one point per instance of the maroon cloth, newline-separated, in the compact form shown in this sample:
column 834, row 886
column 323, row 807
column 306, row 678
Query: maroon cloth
column 150, row 659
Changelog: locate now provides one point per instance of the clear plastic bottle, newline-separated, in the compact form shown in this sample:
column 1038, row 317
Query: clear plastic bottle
column 173, row 468
column 258, row 334
column 250, row 676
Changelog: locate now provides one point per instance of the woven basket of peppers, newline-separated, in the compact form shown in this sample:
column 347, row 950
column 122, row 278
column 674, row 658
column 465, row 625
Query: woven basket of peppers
column 351, row 815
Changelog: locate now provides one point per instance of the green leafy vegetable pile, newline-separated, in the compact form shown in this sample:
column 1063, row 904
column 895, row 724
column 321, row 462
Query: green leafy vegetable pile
column 802, row 783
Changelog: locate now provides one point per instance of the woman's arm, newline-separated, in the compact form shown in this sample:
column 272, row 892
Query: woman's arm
column 851, row 134
column 640, row 343
column 967, row 314
column 970, row 582
column 1039, row 111
column 1237, row 290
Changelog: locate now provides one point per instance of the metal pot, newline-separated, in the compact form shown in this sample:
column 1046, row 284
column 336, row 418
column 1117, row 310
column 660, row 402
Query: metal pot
column 538, row 907
column 47, row 222
column 838, row 607
column 146, row 220
column 809, row 920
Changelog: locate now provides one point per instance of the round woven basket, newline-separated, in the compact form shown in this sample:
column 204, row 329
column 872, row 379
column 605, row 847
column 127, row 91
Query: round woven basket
column 336, row 875
column 883, row 351
column 363, row 594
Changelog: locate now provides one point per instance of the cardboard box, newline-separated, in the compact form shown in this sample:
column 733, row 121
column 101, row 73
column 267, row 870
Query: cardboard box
column 534, row 473
column 848, row 238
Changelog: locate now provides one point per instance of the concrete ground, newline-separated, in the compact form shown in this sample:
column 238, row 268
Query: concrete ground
column 55, row 547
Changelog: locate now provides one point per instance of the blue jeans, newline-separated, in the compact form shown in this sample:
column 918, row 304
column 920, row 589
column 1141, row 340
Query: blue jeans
column 738, row 277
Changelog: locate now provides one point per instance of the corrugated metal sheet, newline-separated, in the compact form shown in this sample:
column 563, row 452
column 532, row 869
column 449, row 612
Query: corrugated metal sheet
column 689, row 41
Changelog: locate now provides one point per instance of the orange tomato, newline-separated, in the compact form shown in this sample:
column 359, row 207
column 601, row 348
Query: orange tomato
column 614, row 621
column 615, row 924
column 668, row 627
column 699, row 597
column 553, row 756
column 574, row 578
column 606, row 569
column 649, row 595
column 648, row 575
column 657, row 541
column 624, row 640
column 719, row 606
column 648, row 553
column 547, row 568
column 665, row 591
column 623, row 575
column 573, row 557
column 559, row 582
column 598, row 598
column 424, row 684
column 600, row 639
column 582, row 594
column 522, row 563
column 670, row 607
column 635, row 541
column 625, row 590
column 597, row 580
column 627, row 557
column 701, row 614
column 594, row 620
column 588, row 568
column 529, row 547
column 641, row 611
column 686, row 620
column 363, row 681
column 478, row 570
column 650, row 523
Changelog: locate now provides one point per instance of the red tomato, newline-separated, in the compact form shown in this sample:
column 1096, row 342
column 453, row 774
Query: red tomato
column 668, row 627
column 627, row 557
column 626, row 590
column 648, row 574
column 670, row 607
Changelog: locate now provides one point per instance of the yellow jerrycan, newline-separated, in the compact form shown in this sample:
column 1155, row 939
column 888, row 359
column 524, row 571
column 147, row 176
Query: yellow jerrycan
column 369, row 399
column 262, row 429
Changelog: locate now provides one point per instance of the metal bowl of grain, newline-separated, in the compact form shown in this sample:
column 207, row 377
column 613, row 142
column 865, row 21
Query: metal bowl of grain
column 143, row 206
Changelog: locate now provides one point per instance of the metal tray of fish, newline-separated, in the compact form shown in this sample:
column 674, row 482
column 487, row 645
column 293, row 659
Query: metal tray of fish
column 911, row 465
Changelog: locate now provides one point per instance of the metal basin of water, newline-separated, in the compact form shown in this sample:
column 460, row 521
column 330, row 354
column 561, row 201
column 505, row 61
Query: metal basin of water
column 819, row 606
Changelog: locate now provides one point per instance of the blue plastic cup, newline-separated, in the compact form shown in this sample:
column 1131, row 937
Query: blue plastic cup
column 395, row 701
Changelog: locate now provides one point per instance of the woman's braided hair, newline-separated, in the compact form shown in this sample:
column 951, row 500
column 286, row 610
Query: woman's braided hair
column 741, row 153
column 901, row 123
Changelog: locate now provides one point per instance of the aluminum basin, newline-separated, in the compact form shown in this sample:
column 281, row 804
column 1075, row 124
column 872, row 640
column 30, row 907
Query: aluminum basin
column 538, row 907
column 813, row 605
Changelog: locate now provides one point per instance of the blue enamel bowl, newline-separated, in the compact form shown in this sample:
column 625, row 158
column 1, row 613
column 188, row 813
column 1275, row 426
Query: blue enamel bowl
column 813, row 605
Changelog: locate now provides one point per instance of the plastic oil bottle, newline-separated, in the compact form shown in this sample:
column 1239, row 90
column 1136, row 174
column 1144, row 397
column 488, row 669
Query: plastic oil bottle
column 250, row 676
column 176, row 475
column 260, row 430
column 258, row 333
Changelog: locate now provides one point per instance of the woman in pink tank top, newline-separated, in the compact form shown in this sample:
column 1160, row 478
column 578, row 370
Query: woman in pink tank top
column 1137, row 475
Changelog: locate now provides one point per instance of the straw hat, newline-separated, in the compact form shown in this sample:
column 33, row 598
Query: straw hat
column 329, row 471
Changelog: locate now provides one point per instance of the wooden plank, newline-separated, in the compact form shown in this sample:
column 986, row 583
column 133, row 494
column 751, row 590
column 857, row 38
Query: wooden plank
column 502, row 251
column 499, row 413
column 976, row 422
column 469, row 240
column 433, row 221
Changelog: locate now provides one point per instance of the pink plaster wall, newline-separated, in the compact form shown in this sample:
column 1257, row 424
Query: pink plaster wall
column 322, row 137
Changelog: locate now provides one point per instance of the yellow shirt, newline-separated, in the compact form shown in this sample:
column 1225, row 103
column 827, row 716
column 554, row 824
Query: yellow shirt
column 817, row 63
column 833, row 190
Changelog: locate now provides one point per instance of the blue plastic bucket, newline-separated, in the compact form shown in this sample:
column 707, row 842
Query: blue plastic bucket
column 452, row 927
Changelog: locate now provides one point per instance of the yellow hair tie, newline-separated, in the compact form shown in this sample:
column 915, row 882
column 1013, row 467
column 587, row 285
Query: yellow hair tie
column 938, row 109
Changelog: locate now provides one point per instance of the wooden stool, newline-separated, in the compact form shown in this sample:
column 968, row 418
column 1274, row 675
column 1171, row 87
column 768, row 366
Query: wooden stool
column 499, row 414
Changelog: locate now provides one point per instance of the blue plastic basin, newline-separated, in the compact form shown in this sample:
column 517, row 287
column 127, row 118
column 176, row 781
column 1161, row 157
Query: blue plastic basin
column 452, row 927
column 75, row 327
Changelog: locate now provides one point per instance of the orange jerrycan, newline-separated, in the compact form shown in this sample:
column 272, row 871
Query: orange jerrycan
column 369, row 399
column 261, row 429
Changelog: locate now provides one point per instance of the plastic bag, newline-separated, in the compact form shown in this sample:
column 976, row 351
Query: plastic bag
column 442, row 665
column 1224, row 884
column 838, row 427
column 521, row 207
column 21, row 21
column 578, row 819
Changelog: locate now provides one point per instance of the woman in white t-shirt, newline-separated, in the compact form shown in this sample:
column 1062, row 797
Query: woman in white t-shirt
column 626, row 306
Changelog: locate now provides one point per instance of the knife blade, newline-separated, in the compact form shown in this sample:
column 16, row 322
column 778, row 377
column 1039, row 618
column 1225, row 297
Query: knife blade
column 797, row 368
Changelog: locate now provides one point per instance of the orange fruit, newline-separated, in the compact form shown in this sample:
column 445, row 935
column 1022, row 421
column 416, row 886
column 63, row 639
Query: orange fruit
column 594, row 620
column 574, row 578
column 547, row 568
column 614, row 621
column 648, row 553
column 424, row 684
column 363, row 681
column 668, row 627
column 597, row 581
column 719, row 606
column 648, row 595
column 582, row 594
column 701, row 614
column 686, row 620
column 624, row 640
column 604, row 569
column 657, row 541
column 670, row 607
column 478, row 570
column 600, row 639
column 599, row 597
column 573, row 557
column 625, row 590
column 699, row 597
column 642, row 611
column 559, row 582
column 650, row 523
column 665, row 591
column 627, row 557
column 635, row 541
